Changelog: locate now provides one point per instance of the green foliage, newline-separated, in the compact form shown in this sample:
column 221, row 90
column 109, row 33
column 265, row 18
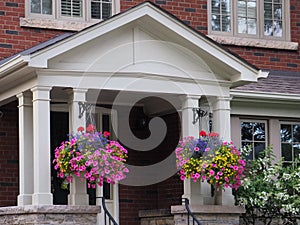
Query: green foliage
column 270, row 191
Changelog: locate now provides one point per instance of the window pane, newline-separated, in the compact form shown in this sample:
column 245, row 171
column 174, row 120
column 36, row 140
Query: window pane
column 242, row 10
column 259, row 131
column 273, row 19
column 72, row 8
column 258, row 148
column 268, row 10
column 101, row 9
column 220, row 15
column 226, row 23
column 242, row 25
column 251, row 26
column 35, row 6
column 296, row 151
column 286, row 133
column 296, row 133
column 247, row 21
column 286, row 151
column 215, row 23
column 246, row 131
column 215, row 6
column 226, row 7
column 106, row 9
column 95, row 10
column 47, row 7
column 248, row 144
column 278, row 12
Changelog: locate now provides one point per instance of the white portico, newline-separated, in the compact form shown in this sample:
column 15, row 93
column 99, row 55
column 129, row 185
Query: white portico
column 141, row 52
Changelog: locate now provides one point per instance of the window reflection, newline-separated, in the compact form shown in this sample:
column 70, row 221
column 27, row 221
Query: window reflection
column 290, row 141
column 220, row 17
column 254, row 136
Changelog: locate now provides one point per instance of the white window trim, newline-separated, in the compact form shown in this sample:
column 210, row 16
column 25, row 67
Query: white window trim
column 55, row 21
column 260, row 32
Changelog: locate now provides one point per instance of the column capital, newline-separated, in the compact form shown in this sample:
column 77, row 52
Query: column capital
column 25, row 99
column 41, row 88
column 41, row 93
column 77, row 94
column 190, row 101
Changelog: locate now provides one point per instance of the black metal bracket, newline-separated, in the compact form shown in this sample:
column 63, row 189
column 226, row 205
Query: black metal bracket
column 1, row 114
column 83, row 107
column 197, row 114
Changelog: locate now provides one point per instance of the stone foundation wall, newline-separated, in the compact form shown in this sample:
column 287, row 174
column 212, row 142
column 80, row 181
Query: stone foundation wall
column 156, row 217
column 50, row 215
column 208, row 214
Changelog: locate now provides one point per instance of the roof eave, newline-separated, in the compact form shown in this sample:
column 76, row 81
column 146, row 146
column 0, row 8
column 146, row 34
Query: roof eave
column 13, row 64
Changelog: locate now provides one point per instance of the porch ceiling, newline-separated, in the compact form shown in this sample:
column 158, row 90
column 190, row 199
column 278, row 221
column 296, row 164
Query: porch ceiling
column 143, row 42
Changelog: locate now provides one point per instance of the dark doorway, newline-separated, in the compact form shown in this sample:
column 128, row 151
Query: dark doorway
column 59, row 122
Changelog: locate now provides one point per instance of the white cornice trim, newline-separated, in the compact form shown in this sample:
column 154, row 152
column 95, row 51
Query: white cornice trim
column 252, row 96
column 108, row 74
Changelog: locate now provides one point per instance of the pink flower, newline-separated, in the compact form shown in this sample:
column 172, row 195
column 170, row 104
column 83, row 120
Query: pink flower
column 182, row 177
column 217, row 177
column 211, row 172
column 196, row 149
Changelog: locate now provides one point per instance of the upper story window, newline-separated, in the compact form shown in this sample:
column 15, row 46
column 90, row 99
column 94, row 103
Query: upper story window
column 68, row 13
column 253, row 134
column 290, row 141
column 249, row 18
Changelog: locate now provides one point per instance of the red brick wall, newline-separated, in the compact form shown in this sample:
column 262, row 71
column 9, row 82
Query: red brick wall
column 9, row 155
column 13, row 38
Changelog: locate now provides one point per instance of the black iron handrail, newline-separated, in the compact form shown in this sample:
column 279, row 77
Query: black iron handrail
column 107, row 216
column 190, row 213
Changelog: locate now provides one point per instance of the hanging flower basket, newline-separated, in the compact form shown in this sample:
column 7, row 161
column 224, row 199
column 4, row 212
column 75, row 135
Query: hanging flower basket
column 209, row 158
column 92, row 156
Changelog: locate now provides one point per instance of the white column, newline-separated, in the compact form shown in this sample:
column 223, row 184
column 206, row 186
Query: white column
column 198, row 193
column 25, row 149
column 41, row 146
column 221, row 125
column 78, row 191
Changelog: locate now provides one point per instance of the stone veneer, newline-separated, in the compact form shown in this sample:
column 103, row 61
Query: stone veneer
column 156, row 217
column 49, row 214
column 208, row 214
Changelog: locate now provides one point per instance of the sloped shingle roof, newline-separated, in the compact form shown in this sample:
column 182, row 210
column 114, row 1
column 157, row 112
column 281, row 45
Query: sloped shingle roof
column 284, row 82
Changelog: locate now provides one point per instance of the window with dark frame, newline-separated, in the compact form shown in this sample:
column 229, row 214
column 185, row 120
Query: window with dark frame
column 253, row 135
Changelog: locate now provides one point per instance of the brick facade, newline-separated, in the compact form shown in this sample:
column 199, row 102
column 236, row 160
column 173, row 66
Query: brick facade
column 14, row 39
column 9, row 155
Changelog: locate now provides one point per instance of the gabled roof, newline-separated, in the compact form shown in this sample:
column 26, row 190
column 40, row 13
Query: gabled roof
column 240, row 71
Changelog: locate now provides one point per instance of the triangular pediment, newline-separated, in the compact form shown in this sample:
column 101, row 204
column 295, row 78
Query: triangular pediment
column 145, row 39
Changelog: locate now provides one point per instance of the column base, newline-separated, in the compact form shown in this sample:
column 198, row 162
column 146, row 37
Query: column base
column 42, row 199
column 208, row 214
column 78, row 199
column 224, row 197
column 49, row 214
column 24, row 199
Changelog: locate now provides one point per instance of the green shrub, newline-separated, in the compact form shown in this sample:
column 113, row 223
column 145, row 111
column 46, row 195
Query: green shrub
column 270, row 191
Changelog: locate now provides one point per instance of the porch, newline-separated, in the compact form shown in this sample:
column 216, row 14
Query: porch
column 143, row 75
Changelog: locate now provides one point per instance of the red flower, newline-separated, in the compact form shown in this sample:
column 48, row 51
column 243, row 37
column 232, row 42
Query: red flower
column 80, row 129
column 213, row 134
column 202, row 133
column 106, row 134
column 90, row 128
